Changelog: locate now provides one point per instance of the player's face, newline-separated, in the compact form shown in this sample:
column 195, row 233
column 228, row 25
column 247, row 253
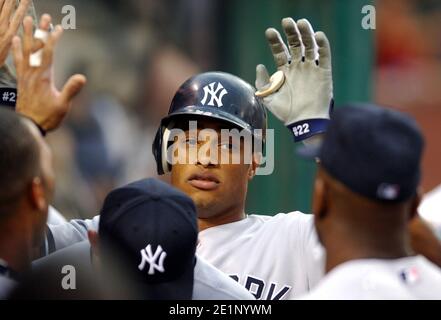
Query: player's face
column 216, row 188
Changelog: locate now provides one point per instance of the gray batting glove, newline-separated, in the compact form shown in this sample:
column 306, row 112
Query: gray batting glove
column 303, row 96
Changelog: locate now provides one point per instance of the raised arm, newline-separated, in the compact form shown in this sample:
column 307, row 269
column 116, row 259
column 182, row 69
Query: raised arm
column 38, row 98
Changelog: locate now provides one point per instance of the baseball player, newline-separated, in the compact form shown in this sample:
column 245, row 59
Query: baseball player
column 133, row 214
column 26, row 187
column 363, row 202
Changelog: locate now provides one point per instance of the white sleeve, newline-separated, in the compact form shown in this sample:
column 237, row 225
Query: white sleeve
column 312, row 252
column 55, row 217
column 315, row 256
column 212, row 284
column 66, row 234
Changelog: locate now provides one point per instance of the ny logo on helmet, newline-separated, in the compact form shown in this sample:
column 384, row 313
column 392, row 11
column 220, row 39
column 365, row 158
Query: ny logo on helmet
column 216, row 95
column 147, row 256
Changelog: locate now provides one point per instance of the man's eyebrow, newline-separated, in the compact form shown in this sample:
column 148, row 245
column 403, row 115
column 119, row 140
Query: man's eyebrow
column 218, row 129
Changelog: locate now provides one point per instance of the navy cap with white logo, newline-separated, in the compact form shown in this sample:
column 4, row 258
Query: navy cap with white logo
column 374, row 151
column 152, row 227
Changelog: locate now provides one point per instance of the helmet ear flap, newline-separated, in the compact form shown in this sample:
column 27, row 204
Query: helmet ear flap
column 166, row 167
column 157, row 150
column 160, row 145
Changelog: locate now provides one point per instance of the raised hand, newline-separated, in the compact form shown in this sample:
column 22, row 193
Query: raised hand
column 303, row 94
column 38, row 98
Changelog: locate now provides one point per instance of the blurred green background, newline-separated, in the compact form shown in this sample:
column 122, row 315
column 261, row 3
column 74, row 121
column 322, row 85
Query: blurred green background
column 289, row 188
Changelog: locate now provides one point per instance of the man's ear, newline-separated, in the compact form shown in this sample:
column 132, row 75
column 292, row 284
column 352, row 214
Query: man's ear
column 416, row 203
column 254, row 165
column 319, row 202
column 94, row 241
column 37, row 195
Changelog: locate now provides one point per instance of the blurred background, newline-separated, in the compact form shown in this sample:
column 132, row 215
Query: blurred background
column 136, row 54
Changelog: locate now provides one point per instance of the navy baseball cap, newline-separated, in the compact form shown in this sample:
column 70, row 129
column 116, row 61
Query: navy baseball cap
column 152, row 228
column 374, row 151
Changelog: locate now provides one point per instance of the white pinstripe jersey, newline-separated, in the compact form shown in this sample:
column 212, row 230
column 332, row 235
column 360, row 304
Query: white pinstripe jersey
column 273, row 257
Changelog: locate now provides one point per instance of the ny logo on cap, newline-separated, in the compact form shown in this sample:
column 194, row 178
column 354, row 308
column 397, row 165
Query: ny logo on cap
column 151, row 259
column 216, row 95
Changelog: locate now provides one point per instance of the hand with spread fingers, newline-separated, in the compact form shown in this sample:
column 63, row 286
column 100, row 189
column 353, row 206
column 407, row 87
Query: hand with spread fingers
column 10, row 21
column 38, row 98
column 300, row 93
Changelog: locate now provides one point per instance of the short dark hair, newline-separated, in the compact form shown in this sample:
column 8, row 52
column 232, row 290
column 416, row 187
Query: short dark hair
column 19, row 158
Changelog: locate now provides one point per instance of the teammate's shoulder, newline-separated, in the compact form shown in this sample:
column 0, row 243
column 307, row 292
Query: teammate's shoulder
column 296, row 215
column 356, row 279
column 291, row 219
column 294, row 224
column 290, row 216
column 77, row 254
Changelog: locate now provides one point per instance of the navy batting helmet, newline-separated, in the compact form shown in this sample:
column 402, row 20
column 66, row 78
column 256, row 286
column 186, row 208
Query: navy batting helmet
column 215, row 95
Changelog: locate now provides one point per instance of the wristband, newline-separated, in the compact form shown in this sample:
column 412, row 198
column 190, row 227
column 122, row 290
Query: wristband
column 305, row 129
column 8, row 97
